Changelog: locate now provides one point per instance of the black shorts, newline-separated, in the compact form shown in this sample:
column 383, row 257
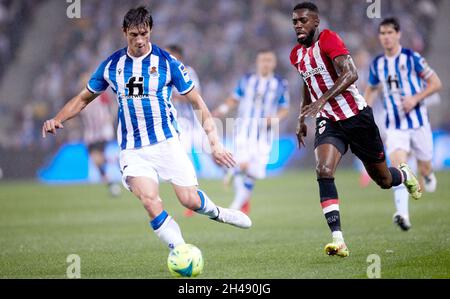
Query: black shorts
column 360, row 132
column 98, row 146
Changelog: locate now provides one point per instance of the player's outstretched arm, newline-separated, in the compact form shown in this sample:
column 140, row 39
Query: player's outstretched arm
column 220, row 154
column 347, row 76
column 70, row 110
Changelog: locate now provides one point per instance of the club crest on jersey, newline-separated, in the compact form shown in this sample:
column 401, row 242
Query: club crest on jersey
column 322, row 126
column 153, row 72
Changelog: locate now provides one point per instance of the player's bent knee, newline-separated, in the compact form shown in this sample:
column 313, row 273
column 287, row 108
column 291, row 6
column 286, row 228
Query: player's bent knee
column 384, row 182
column 148, row 198
column 324, row 171
column 190, row 199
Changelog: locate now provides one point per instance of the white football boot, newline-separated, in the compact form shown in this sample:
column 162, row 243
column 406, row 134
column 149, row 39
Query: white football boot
column 233, row 217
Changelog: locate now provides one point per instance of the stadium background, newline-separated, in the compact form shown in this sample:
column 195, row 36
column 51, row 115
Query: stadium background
column 42, row 55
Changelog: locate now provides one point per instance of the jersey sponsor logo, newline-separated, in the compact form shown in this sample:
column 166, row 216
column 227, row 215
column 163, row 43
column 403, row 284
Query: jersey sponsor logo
column 313, row 72
column 135, row 87
column 393, row 83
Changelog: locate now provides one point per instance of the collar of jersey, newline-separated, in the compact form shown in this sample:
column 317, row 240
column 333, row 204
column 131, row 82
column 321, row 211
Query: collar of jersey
column 313, row 44
column 141, row 57
column 396, row 54
column 266, row 77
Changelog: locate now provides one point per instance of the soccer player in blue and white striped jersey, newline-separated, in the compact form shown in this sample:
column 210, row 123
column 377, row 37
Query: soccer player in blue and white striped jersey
column 263, row 100
column 143, row 76
column 407, row 80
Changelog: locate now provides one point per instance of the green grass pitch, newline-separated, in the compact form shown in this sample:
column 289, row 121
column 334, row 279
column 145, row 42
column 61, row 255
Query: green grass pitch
column 41, row 225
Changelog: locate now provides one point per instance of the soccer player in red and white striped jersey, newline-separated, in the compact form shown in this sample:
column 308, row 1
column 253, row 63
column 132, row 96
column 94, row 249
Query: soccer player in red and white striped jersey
column 315, row 64
column 343, row 119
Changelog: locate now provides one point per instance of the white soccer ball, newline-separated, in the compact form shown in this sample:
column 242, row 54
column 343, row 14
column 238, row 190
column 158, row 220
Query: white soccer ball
column 185, row 260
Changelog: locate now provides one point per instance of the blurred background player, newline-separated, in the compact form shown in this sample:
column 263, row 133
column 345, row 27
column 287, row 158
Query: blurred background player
column 98, row 131
column 263, row 100
column 188, row 125
column 139, row 75
column 343, row 118
column 407, row 81
column 191, row 131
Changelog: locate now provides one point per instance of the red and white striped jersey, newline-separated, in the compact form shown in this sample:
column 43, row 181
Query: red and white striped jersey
column 98, row 120
column 315, row 65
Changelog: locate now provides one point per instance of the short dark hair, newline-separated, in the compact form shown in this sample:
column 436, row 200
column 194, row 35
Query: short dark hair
column 175, row 48
column 307, row 5
column 390, row 21
column 137, row 17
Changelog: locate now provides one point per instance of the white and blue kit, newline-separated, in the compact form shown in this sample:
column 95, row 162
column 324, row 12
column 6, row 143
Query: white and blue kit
column 146, row 116
column 259, row 98
column 404, row 74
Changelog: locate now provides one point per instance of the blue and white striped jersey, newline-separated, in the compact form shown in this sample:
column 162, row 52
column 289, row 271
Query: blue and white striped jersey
column 401, row 75
column 143, row 86
column 259, row 98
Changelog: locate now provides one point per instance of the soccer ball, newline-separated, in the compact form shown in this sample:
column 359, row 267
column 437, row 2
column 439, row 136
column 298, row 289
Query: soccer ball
column 185, row 260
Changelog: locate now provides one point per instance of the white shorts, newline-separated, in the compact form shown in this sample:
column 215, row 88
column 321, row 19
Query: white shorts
column 166, row 159
column 418, row 142
column 255, row 154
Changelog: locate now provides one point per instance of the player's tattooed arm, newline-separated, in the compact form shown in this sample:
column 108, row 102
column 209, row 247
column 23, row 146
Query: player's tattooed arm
column 347, row 75
column 301, row 130
column 220, row 154
column 70, row 110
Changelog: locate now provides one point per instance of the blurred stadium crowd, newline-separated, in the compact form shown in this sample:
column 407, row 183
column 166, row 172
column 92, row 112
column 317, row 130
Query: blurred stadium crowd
column 219, row 37
column 13, row 16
